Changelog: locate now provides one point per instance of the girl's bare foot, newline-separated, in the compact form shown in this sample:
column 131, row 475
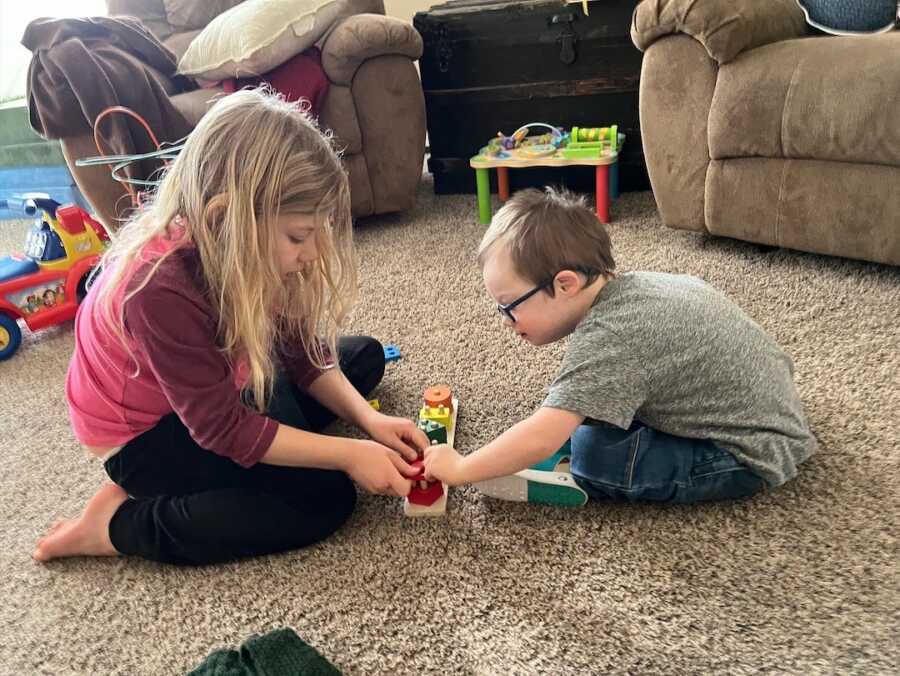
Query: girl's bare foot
column 88, row 535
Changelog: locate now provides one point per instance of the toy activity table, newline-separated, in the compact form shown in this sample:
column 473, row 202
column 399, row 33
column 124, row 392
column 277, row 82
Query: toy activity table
column 605, row 160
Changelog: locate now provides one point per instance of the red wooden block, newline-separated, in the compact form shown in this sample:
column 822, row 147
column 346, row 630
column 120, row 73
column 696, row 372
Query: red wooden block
column 428, row 496
column 424, row 496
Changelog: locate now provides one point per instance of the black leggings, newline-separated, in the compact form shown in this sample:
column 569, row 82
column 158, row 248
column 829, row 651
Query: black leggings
column 187, row 505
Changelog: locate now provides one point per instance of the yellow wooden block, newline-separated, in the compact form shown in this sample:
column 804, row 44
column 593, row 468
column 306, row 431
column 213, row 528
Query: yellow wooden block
column 439, row 414
column 374, row 403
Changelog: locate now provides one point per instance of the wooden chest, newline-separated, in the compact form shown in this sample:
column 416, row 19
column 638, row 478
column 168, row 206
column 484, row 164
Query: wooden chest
column 492, row 66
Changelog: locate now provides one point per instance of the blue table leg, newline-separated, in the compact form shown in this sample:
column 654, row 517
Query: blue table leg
column 614, row 180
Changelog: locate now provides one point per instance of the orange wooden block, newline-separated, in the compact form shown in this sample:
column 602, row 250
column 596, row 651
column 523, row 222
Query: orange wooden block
column 439, row 395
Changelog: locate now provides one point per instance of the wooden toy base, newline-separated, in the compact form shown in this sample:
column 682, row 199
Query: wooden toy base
column 439, row 507
column 606, row 183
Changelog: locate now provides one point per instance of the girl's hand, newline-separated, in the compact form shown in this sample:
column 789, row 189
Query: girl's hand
column 378, row 469
column 444, row 463
column 398, row 433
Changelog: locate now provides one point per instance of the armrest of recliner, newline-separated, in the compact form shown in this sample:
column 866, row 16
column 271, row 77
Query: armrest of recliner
column 363, row 36
column 725, row 28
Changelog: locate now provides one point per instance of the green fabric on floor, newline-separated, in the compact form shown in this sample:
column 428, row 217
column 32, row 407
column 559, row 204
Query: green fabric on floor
column 278, row 653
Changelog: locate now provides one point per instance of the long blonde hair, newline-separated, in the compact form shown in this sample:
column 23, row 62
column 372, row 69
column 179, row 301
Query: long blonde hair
column 252, row 157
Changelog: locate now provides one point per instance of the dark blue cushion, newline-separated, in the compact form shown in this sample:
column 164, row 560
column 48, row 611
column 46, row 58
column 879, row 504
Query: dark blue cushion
column 850, row 16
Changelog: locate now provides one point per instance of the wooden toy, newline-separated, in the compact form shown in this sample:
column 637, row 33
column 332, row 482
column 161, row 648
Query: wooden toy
column 429, row 498
column 594, row 146
column 435, row 431
column 440, row 414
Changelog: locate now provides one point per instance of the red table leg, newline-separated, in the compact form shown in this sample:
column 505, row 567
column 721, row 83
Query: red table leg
column 503, row 183
column 602, row 192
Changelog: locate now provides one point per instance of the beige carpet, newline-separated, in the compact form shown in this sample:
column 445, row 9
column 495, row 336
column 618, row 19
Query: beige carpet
column 801, row 581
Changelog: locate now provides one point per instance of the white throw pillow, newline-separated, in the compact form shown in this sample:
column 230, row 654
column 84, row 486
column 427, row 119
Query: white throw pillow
column 255, row 36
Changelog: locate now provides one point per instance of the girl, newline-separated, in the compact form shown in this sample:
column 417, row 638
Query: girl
column 203, row 365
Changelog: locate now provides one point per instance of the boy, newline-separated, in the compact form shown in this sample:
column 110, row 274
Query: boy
column 667, row 391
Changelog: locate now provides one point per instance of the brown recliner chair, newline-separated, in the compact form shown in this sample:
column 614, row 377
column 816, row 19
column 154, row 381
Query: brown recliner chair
column 374, row 107
column 757, row 130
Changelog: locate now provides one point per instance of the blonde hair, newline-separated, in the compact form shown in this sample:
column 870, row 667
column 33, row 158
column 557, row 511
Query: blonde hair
column 252, row 157
column 549, row 231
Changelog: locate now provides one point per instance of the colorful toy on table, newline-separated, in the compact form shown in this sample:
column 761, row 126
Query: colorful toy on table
column 590, row 142
column 437, row 418
column 520, row 143
column 45, row 285
column 554, row 147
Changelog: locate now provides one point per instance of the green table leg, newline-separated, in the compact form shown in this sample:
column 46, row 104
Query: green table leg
column 483, row 181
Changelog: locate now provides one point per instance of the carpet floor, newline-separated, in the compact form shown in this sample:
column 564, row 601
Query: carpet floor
column 802, row 580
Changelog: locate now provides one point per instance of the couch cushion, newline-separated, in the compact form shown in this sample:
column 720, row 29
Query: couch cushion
column 823, row 98
column 185, row 15
column 832, row 208
column 724, row 27
column 179, row 42
column 152, row 14
column 257, row 35
column 194, row 104
column 364, row 36
column 850, row 17
column 339, row 115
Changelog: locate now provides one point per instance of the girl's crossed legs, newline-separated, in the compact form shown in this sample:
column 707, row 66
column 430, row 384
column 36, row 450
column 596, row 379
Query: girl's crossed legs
column 179, row 503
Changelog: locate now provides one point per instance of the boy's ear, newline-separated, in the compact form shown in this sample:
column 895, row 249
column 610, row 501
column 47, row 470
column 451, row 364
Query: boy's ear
column 567, row 281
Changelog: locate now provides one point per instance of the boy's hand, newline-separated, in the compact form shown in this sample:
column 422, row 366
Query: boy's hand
column 444, row 463
column 378, row 469
column 398, row 433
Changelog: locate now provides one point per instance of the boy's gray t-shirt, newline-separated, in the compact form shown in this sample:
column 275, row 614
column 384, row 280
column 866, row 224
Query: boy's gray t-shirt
column 675, row 354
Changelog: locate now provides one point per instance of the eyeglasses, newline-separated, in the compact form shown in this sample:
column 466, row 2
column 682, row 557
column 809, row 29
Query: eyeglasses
column 507, row 309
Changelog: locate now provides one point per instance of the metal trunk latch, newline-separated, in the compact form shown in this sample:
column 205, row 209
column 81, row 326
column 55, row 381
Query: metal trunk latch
column 567, row 36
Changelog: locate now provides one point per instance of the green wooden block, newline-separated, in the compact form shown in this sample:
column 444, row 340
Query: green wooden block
column 435, row 432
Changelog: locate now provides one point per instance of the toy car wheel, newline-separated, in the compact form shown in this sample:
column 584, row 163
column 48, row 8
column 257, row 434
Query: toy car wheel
column 10, row 336
column 84, row 285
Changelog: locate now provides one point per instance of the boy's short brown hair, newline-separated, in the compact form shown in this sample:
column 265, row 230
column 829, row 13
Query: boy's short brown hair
column 547, row 231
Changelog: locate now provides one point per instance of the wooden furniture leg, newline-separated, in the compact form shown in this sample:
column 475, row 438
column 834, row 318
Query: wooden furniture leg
column 503, row 183
column 483, row 182
column 602, row 192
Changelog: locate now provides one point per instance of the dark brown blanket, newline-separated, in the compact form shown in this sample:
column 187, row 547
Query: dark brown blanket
column 82, row 66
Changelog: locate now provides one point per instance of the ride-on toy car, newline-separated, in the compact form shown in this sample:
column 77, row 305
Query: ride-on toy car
column 45, row 285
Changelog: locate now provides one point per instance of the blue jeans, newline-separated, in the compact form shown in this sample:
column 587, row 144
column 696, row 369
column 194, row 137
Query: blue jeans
column 642, row 463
